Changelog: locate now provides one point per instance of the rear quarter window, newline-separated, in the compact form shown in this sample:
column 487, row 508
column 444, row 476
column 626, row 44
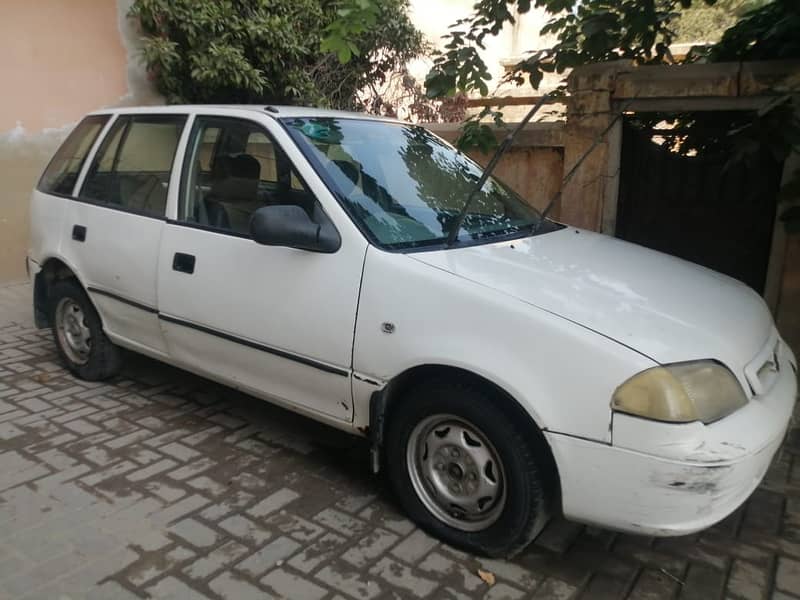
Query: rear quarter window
column 61, row 174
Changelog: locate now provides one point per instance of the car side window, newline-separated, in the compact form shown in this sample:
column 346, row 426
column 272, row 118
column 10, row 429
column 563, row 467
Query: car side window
column 132, row 168
column 232, row 168
column 62, row 172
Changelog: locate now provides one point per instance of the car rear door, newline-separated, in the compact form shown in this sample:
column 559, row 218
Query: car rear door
column 113, row 232
column 276, row 322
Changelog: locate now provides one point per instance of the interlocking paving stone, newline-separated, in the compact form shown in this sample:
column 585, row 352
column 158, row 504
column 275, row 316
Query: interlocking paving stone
column 268, row 556
column 231, row 587
column 349, row 581
column 415, row 546
column 319, row 552
column 173, row 589
column 702, row 582
column 160, row 484
column 340, row 522
column 218, row 558
column 369, row 547
column 404, row 577
column 502, row 591
column 243, row 528
column 748, row 581
column 273, row 502
column 195, row 533
column 787, row 578
column 287, row 585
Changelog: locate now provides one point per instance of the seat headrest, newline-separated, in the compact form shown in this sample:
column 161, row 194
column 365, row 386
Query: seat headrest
column 235, row 178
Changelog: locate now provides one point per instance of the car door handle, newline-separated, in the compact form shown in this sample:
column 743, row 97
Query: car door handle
column 79, row 233
column 183, row 263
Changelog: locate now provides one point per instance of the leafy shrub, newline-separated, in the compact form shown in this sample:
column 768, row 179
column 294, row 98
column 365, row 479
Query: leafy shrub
column 269, row 51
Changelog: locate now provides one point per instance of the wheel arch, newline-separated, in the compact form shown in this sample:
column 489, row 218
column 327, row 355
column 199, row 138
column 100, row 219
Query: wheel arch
column 388, row 399
column 52, row 269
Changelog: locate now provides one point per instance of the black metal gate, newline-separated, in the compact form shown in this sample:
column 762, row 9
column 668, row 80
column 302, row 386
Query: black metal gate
column 695, row 208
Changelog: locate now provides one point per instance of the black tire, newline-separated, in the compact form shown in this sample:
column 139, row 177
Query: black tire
column 104, row 358
column 528, row 473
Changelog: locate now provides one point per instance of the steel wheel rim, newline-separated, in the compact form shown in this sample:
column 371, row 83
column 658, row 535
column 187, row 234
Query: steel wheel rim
column 456, row 472
column 74, row 335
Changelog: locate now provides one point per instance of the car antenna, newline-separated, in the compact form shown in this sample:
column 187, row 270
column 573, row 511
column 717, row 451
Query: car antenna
column 504, row 145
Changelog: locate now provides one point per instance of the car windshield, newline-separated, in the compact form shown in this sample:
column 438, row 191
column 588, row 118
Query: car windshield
column 405, row 187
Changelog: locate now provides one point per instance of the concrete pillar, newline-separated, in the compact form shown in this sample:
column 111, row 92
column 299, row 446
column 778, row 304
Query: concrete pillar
column 589, row 198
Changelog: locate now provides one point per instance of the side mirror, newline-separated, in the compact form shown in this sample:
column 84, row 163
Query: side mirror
column 289, row 225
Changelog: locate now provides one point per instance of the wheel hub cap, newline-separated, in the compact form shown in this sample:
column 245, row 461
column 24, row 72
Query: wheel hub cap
column 456, row 472
column 73, row 334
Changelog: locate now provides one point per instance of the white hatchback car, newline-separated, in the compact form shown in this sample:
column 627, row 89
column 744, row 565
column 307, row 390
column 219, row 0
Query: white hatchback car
column 302, row 256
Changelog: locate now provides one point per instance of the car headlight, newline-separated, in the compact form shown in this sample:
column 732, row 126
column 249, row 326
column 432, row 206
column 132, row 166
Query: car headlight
column 681, row 393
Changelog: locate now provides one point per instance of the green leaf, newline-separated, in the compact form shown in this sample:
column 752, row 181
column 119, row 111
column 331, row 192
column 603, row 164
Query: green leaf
column 344, row 54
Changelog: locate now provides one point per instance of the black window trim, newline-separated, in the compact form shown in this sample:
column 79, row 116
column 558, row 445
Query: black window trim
column 209, row 228
column 185, row 170
column 98, row 139
column 129, row 119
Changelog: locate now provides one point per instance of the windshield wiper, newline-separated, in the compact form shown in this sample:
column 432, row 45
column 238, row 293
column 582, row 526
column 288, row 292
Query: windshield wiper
column 452, row 235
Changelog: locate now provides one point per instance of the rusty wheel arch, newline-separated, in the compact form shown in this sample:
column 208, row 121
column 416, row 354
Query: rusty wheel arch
column 52, row 270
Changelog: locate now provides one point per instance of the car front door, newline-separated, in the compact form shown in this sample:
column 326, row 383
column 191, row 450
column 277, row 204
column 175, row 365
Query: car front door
column 274, row 321
column 113, row 230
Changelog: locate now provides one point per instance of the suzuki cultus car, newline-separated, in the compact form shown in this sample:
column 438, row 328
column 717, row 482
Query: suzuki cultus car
column 503, row 365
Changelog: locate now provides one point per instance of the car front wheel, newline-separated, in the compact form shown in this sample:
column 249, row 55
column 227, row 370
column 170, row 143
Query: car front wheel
column 465, row 470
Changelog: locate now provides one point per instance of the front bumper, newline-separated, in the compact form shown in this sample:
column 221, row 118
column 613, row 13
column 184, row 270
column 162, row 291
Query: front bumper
column 667, row 479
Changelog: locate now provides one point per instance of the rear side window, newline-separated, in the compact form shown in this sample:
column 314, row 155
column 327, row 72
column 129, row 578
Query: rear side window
column 132, row 168
column 62, row 172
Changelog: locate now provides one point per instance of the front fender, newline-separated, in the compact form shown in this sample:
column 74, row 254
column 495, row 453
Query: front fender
column 562, row 374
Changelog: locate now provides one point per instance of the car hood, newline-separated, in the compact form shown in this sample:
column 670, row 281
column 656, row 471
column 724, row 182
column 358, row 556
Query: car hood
column 666, row 308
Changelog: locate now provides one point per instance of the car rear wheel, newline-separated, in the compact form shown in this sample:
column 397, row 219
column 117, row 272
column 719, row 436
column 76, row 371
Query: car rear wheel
column 78, row 332
column 465, row 470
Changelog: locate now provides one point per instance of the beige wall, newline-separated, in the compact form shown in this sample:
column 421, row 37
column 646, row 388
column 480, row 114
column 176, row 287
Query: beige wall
column 534, row 173
column 21, row 161
column 58, row 60
column 533, row 166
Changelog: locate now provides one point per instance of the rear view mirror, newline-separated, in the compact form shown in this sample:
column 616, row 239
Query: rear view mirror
column 290, row 226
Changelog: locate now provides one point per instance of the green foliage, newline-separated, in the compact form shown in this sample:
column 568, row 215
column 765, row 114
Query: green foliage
column 274, row 51
column 354, row 17
column 592, row 31
column 586, row 31
column 477, row 133
column 702, row 23
column 769, row 31
column 765, row 31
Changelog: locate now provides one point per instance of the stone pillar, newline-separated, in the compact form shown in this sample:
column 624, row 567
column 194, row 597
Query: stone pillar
column 589, row 198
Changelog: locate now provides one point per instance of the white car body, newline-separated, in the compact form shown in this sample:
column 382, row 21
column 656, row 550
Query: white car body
column 557, row 321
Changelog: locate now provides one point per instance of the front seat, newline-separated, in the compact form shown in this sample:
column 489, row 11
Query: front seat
column 235, row 180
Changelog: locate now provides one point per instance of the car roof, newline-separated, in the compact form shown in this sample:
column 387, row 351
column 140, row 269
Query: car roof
column 275, row 111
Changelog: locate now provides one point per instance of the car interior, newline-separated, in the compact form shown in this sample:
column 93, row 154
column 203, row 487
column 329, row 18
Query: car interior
column 132, row 168
column 237, row 170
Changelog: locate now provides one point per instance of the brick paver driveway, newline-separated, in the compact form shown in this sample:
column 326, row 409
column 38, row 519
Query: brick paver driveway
column 161, row 484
